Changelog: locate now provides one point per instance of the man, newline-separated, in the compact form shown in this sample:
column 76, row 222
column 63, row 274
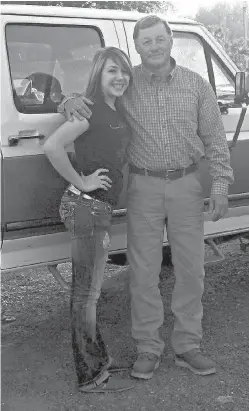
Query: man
column 175, row 120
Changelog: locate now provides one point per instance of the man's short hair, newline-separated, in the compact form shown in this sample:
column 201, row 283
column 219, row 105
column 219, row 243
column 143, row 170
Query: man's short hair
column 149, row 21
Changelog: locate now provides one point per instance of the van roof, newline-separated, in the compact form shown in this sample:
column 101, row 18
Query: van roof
column 58, row 11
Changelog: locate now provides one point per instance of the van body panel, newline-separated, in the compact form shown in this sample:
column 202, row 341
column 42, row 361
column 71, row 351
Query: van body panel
column 32, row 233
column 73, row 12
column 31, row 188
column 38, row 194
column 55, row 248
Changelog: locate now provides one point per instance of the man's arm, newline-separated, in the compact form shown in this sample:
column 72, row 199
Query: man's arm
column 75, row 105
column 212, row 133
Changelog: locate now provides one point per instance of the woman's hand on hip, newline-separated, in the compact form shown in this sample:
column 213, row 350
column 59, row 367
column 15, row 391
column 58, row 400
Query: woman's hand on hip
column 96, row 180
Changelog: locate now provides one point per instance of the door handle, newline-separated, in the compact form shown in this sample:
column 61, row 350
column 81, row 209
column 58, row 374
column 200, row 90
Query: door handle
column 24, row 135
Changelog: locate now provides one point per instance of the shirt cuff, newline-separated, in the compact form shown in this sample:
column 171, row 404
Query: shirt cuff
column 220, row 187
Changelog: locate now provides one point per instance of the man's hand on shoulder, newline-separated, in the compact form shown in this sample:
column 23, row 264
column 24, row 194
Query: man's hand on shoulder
column 218, row 206
column 75, row 105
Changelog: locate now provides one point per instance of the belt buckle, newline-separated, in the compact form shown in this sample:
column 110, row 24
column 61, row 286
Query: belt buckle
column 74, row 190
column 87, row 197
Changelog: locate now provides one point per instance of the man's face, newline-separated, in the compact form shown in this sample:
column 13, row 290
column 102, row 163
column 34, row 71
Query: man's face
column 154, row 45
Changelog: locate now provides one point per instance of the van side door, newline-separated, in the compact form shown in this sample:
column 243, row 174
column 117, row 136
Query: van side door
column 43, row 60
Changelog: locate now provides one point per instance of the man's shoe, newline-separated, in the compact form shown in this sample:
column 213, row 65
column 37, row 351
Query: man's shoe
column 145, row 365
column 195, row 361
column 108, row 384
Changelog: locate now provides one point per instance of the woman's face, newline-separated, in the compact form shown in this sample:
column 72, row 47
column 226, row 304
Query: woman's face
column 114, row 79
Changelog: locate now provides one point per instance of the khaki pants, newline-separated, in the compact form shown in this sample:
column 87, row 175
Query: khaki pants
column 150, row 201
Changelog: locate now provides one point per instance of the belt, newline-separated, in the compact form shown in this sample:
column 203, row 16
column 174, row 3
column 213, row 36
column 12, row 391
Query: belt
column 72, row 189
column 165, row 174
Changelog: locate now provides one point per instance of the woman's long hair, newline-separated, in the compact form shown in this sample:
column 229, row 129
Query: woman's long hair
column 93, row 90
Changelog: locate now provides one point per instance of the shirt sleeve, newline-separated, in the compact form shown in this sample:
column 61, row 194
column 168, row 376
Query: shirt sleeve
column 212, row 133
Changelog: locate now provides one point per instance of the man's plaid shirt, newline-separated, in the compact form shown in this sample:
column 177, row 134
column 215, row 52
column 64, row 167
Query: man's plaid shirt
column 176, row 122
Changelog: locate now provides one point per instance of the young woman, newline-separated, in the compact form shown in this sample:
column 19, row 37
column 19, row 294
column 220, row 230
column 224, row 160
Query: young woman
column 86, row 207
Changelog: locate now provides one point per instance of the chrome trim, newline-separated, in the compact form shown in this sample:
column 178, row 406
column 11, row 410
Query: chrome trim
column 119, row 213
column 232, row 197
column 238, row 196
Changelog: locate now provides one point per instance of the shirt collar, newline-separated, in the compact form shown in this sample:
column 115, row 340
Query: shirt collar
column 150, row 76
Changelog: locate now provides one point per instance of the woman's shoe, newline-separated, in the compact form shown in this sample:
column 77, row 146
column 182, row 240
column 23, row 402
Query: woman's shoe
column 108, row 384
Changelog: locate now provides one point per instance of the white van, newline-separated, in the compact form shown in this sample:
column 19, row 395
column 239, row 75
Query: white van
column 46, row 54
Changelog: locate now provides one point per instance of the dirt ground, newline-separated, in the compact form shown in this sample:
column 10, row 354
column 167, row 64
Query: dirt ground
column 37, row 367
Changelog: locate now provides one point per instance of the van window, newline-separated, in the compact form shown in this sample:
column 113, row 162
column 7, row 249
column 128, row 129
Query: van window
column 48, row 62
column 225, row 88
column 188, row 51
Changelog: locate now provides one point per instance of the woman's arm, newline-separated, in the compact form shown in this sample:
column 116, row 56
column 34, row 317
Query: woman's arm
column 54, row 149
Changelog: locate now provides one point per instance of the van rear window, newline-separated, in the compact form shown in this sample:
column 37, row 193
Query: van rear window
column 48, row 62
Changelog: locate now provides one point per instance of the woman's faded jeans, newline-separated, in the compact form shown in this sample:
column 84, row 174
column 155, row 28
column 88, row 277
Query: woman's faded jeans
column 88, row 221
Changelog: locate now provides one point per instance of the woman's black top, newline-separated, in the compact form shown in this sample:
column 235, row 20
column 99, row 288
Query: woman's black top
column 104, row 145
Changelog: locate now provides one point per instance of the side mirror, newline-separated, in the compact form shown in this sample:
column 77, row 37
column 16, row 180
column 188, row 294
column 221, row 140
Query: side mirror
column 241, row 88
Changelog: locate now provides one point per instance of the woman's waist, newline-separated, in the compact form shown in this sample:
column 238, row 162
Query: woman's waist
column 87, row 199
column 114, row 171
